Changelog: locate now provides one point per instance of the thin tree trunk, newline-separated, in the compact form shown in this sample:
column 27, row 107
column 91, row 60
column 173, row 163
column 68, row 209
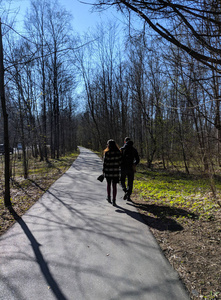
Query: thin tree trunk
column 7, row 200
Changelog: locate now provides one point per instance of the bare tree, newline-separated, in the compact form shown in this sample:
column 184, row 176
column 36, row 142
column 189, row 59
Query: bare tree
column 35, row 26
column 193, row 16
column 48, row 27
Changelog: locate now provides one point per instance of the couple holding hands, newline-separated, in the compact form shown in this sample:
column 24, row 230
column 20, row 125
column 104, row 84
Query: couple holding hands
column 120, row 163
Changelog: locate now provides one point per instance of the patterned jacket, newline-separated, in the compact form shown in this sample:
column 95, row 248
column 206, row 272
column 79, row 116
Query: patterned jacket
column 111, row 165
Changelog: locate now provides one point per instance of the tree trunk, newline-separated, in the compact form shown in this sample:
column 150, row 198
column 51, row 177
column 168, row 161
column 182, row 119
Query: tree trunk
column 7, row 200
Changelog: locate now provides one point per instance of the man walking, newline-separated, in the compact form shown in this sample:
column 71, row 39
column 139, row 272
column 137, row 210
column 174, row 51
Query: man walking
column 130, row 159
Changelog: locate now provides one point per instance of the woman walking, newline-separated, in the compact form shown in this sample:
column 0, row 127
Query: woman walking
column 111, row 169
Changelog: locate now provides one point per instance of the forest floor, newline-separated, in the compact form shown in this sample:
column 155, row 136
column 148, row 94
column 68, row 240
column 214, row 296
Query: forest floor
column 192, row 245
column 184, row 215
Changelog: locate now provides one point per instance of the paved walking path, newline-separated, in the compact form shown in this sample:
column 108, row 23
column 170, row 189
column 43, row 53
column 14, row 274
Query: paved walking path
column 73, row 245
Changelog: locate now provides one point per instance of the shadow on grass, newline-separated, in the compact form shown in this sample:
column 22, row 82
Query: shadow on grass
column 162, row 218
column 25, row 190
column 18, row 185
column 160, row 224
column 163, row 211
column 171, row 174
column 37, row 185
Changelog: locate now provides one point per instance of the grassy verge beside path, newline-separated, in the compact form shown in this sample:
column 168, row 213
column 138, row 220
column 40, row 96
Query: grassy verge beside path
column 184, row 217
column 25, row 192
column 193, row 193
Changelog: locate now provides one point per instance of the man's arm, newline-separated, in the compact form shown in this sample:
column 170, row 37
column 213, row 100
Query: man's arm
column 137, row 158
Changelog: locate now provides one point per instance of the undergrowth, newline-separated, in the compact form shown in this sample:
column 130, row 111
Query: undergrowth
column 190, row 192
column 41, row 174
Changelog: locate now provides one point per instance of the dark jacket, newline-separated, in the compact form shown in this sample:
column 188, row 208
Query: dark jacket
column 130, row 156
column 111, row 165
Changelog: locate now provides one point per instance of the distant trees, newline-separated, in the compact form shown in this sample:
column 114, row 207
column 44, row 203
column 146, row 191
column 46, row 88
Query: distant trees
column 184, row 89
column 43, row 79
column 167, row 100
column 40, row 81
column 48, row 27
column 98, row 63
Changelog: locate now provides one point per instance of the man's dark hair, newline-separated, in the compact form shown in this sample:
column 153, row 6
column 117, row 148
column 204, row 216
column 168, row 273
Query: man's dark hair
column 127, row 139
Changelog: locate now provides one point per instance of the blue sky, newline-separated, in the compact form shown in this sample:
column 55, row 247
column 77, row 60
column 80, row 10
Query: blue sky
column 83, row 18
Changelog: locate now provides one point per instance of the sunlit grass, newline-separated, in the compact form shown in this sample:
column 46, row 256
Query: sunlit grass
column 189, row 192
column 25, row 192
column 38, row 171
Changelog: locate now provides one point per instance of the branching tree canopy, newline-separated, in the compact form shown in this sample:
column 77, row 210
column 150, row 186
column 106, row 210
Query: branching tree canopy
column 192, row 25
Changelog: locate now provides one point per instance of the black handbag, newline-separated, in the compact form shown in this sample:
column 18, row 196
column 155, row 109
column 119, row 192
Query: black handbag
column 100, row 178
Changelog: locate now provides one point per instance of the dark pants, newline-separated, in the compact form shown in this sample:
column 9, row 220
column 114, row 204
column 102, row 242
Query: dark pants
column 112, row 182
column 129, row 175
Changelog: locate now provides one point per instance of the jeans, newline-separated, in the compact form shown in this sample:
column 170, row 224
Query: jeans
column 129, row 175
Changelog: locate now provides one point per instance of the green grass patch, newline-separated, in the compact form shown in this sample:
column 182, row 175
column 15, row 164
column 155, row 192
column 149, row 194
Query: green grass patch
column 178, row 190
column 38, row 170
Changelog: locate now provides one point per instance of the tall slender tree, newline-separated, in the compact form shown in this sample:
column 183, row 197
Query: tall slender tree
column 7, row 199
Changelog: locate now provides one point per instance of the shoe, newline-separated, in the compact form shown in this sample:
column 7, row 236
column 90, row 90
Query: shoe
column 125, row 196
column 114, row 202
column 108, row 199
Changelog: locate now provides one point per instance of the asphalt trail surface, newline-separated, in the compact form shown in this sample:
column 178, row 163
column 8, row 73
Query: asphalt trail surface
column 72, row 244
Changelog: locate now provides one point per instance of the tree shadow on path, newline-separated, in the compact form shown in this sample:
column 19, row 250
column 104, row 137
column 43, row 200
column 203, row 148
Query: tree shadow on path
column 162, row 219
column 39, row 257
